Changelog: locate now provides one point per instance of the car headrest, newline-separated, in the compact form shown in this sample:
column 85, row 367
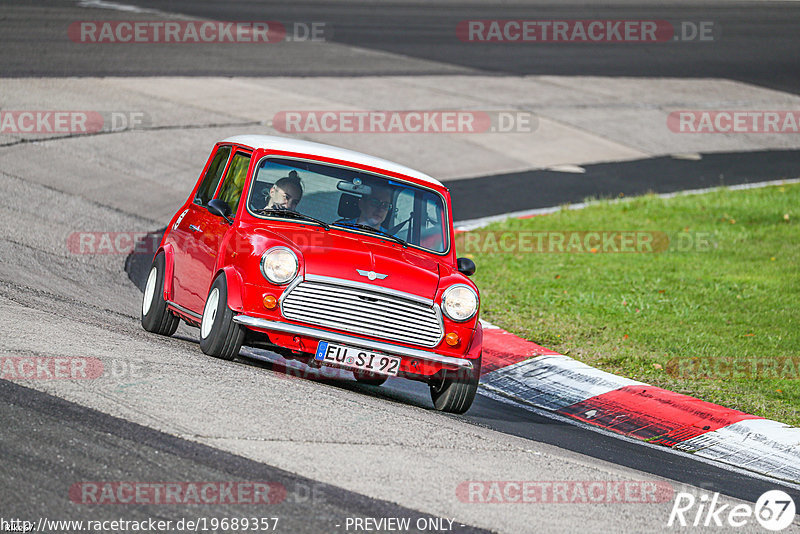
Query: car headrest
column 260, row 190
column 348, row 206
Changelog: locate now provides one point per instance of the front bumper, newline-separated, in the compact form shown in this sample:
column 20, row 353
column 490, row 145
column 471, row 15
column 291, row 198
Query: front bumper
column 379, row 346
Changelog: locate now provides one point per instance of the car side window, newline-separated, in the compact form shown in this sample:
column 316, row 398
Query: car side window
column 233, row 184
column 432, row 233
column 210, row 181
column 404, row 207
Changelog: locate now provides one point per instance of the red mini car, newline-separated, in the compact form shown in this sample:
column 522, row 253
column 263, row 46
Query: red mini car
column 324, row 255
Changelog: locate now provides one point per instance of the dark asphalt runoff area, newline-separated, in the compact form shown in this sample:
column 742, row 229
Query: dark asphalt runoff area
column 484, row 196
column 754, row 42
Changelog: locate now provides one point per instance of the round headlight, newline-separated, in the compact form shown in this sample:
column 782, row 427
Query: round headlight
column 279, row 265
column 459, row 302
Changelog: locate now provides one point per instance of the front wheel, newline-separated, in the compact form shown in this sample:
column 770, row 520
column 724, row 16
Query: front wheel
column 219, row 335
column 454, row 391
column 156, row 317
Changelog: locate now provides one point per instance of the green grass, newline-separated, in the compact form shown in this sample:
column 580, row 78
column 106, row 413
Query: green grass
column 671, row 318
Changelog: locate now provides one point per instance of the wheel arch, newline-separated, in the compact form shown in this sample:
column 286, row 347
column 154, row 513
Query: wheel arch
column 169, row 269
column 476, row 343
column 235, row 286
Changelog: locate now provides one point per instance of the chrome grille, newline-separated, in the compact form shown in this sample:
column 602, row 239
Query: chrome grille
column 363, row 311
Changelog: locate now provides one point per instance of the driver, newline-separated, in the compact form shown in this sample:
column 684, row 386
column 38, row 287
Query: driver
column 286, row 193
column 374, row 207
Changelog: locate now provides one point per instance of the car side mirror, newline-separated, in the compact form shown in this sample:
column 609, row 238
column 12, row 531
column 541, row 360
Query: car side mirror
column 465, row 266
column 220, row 208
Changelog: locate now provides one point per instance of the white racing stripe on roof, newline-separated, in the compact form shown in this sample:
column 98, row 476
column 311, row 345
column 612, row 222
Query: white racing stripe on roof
column 327, row 151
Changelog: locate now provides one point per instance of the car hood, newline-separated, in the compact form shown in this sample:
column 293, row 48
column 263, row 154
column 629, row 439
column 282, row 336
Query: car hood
column 351, row 256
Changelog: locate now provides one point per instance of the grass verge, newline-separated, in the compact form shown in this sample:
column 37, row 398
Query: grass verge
column 711, row 310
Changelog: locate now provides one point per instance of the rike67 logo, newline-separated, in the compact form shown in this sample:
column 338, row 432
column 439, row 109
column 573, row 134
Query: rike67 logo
column 774, row 510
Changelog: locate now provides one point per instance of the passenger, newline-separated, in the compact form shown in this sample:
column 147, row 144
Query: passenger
column 286, row 193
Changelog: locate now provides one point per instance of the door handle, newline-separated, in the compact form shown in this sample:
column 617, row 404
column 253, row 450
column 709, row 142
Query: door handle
column 194, row 228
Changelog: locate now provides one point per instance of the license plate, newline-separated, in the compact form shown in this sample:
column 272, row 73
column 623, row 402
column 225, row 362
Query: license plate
column 355, row 358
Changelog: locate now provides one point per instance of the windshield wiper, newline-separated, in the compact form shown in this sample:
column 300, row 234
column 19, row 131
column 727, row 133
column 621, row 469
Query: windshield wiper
column 292, row 215
column 371, row 229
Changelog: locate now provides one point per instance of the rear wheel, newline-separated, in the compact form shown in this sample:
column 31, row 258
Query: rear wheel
column 454, row 391
column 156, row 317
column 219, row 335
column 371, row 379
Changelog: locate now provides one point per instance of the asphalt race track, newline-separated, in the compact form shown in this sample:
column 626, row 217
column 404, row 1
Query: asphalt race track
column 757, row 41
column 148, row 455
column 331, row 448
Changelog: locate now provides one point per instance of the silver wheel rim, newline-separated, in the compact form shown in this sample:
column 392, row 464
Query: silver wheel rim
column 209, row 313
column 149, row 291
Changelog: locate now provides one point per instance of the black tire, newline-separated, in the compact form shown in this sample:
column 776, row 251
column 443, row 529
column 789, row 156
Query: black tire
column 454, row 391
column 370, row 379
column 156, row 317
column 219, row 335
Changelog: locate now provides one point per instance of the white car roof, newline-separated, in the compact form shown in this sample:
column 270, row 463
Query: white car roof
column 318, row 149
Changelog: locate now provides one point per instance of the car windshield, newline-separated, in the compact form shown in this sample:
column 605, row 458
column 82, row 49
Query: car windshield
column 349, row 200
